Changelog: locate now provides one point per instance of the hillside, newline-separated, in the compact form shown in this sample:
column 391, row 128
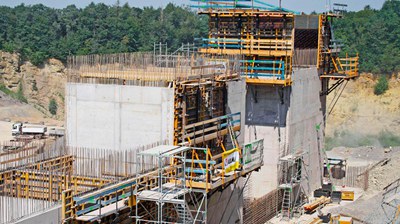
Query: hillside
column 37, row 84
column 362, row 118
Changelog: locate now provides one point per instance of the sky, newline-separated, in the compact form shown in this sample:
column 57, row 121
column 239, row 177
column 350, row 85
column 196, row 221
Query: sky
column 306, row 6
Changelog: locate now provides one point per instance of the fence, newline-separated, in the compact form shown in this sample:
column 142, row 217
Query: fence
column 261, row 210
column 145, row 68
column 355, row 176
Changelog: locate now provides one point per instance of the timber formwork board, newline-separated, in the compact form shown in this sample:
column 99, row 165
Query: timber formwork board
column 197, row 101
column 265, row 38
column 46, row 180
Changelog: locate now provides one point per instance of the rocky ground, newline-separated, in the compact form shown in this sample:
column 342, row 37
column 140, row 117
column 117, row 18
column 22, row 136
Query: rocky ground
column 39, row 84
column 384, row 166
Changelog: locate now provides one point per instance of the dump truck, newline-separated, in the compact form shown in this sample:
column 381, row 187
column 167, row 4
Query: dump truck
column 35, row 130
column 56, row 132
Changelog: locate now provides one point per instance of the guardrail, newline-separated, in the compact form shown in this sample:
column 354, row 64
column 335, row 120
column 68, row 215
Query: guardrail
column 210, row 129
column 264, row 68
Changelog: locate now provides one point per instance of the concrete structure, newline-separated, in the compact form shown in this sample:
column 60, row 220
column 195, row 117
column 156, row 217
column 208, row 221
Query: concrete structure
column 285, row 117
column 49, row 216
column 12, row 209
column 118, row 116
column 226, row 206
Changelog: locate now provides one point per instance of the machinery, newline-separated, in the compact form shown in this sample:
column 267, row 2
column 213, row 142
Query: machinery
column 35, row 130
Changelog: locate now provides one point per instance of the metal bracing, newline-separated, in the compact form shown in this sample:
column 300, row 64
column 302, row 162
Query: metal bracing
column 170, row 197
column 294, row 171
column 332, row 65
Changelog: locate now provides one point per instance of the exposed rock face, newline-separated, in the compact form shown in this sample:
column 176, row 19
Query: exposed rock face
column 40, row 84
column 9, row 69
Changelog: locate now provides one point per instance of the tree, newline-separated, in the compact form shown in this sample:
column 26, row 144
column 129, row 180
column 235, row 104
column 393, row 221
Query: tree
column 53, row 106
column 381, row 86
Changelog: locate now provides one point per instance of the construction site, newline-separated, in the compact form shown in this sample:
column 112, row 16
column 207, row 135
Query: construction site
column 228, row 131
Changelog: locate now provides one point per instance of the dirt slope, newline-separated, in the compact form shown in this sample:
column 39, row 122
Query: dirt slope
column 360, row 112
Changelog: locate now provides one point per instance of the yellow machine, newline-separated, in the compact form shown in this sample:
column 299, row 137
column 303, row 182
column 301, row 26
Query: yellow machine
column 348, row 195
column 339, row 219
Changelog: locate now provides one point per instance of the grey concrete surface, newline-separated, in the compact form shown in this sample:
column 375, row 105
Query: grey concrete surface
column 226, row 206
column 117, row 116
column 236, row 91
column 305, row 114
column 49, row 216
column 17, row 209
column 286, row 118
column 266, row 112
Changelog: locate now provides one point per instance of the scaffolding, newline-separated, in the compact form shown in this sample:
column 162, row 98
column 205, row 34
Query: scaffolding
column 265, row 38
column 169, row 200
column 391, row 201
column 173, row 183
column 293, row 173
column 329, row 49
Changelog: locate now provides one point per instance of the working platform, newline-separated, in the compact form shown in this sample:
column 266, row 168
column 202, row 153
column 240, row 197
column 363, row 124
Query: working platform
column 182, row 173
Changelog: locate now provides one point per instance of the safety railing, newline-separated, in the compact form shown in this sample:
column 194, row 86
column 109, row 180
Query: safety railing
column 248, row 44
column 348, row 66
column 210, row 129
column 264, row 69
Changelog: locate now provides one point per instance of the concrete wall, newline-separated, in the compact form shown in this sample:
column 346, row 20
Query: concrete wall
column 305, row 114
column 50, row 216
column 266, row 112
column 236, row 102
column 118, row 116
column 286, row 118
column 226, row 206
column 13, row 209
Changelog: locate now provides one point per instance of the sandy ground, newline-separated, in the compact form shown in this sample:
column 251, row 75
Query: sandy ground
column 5, row 131
column 12, row 111
column 359, row 106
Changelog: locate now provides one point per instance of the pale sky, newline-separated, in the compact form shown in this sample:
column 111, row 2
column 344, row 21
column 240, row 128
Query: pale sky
column 296, row 5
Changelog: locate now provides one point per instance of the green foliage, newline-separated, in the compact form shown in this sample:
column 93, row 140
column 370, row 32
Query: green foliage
column 388, row 139
column 19, row 95
column 38, row 32
column 381, row 86
column 5, row 90
column 375, row 35
column 53, row 107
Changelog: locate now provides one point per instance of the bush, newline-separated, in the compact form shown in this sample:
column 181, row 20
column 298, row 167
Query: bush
column 19, row 95
column 381, row 86
column 53, row 106
column 387, row 139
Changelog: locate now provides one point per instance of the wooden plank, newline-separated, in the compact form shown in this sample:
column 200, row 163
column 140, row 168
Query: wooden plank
column 213, row 135
column 104, row 211
column 285, row 82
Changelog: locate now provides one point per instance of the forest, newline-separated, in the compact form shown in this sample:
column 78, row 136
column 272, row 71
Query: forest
column 375, row 35
column 38, row 32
